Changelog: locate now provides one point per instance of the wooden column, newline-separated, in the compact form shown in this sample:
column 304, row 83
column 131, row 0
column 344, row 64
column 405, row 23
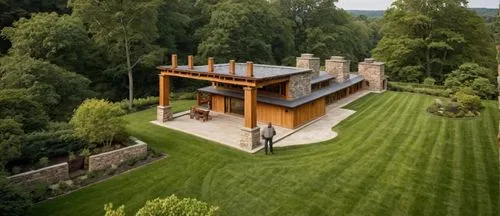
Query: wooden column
column 164, row 90
column 198, row 99
column 250, row 107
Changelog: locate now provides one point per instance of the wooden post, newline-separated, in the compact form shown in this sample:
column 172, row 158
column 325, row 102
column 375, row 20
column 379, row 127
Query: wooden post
column 164, row 90
column 250, row 107
column 232, row 67
column 249, row 69
column 198, row 99
column 190, row 62
column 174, row 61
column 210, row 65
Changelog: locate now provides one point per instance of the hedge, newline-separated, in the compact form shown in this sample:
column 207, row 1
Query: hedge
column 49, row 144
column 433, row 90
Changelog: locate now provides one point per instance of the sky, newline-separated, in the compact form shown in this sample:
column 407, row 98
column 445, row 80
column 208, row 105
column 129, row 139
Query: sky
column 384, row 4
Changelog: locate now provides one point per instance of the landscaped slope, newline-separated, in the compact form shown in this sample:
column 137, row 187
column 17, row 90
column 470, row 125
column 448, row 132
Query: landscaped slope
column 391, row 157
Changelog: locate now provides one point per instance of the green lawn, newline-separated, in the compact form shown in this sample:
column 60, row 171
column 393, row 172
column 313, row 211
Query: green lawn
column 390, row 158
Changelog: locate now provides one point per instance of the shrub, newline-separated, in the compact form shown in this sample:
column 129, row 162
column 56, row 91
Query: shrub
column 469, row 102
column 429, row 81
column 139, row 103
column 10, row 140
column 14, row 200
column 49, row 144
column 472, row 75
column 16, row 105
column 16, row 170
column 171, row 206
column 187, row 96
column 98, row 121
column 43, row 162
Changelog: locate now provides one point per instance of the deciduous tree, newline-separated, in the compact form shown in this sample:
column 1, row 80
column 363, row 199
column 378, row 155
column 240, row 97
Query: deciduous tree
column 423, row 38
column 59, row 90
column 125, row 28
column 245, row 30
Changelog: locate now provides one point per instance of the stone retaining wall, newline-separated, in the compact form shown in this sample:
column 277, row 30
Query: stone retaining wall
column 116, row 157
column 50, row 175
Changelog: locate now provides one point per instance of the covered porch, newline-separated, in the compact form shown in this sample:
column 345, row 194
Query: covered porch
column 243, row 131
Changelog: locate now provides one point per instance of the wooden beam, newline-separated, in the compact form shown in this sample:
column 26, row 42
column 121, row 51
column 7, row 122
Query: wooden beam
column 250, row 107
column 272, row 81
column 212, row 77
column 164, row 90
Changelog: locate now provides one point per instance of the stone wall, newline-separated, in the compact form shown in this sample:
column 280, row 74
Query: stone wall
column 116, row 157
column 308, row 61
column 50, row 175
column 338, row 67
column 373, row 73
column 299, row 86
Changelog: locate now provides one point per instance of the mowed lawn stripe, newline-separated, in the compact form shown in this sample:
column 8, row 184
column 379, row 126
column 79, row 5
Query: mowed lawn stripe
column 376, row 166
column 414, row 164
column 395, row 171
column 399, row 129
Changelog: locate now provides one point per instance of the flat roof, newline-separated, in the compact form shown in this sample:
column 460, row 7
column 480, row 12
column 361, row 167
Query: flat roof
column 323, row 76
column 260, row 71
column 353, row 79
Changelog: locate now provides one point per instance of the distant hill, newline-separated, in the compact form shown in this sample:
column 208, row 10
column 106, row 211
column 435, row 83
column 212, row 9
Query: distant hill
column 484, row 12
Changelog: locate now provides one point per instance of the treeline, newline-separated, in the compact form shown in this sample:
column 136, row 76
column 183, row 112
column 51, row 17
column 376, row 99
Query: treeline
column 487, row 13
column 86, row 49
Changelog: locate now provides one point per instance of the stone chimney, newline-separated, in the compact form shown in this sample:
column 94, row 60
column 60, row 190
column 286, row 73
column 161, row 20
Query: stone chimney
column 338, row 67
column 373, row 73
column 308, row 61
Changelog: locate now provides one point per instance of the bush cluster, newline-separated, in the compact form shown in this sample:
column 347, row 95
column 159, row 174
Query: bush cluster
column 433, row 90
column 49, row 144
column 461, row 105
column 168, row 206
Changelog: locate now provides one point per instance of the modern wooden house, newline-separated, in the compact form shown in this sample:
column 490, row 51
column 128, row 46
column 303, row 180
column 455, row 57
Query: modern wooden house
column 285, row 96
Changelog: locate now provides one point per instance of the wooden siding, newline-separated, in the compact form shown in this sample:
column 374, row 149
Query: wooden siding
column 277, row 115
column 280, row 116
column 309, row 112
column 217, row 103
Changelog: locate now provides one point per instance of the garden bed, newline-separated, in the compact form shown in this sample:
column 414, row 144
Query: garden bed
column 81, row 179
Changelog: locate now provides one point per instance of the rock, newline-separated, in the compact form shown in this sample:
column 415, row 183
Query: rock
column 438, row 102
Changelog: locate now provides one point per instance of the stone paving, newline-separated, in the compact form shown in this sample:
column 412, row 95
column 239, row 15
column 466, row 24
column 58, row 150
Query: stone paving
column 321, row 129
column 225, row 128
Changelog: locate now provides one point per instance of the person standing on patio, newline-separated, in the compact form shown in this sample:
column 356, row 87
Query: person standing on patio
column 267, row 134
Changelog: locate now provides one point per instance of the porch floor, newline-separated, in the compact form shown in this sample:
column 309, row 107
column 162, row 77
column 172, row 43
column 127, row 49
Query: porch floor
column 225, row 128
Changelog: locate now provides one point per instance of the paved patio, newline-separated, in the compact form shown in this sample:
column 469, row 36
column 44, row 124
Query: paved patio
column 225, row 128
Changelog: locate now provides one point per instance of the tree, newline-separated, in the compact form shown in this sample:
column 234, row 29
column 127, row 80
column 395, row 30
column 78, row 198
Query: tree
column 321, row 28
column 125, row 28
column 171, row 206
column 61, row 40
column 245, row 30
column 478, row 78
column 421, row 37
column 15, row 104
column 15, row 201
column 58, row 90
column 98, row 121
column 10, row 140
column 11, row 10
